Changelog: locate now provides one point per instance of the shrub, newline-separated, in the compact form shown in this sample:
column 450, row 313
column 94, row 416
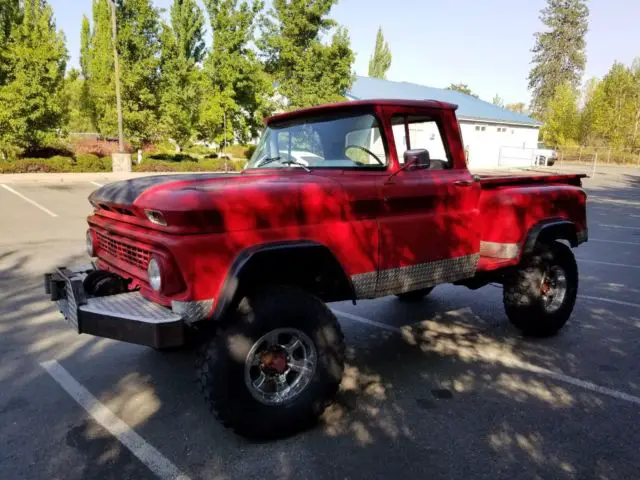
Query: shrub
column 237, row 151
column 199, row 150
column 209, row 165
column 100, row 148
column 250, row 150
column 172, row 157
column 92, row 163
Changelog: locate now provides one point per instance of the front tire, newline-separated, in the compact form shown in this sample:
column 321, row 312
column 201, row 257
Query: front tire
column 539, row 297
column 277, row 366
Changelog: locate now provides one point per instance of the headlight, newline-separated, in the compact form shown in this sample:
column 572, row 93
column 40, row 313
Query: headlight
column 155, row 275
column 90, row 249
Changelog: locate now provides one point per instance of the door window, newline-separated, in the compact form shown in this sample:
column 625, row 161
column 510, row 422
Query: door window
column 419, row 132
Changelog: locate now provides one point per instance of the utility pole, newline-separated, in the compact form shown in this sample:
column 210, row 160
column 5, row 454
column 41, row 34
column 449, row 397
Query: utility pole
column 114, row 37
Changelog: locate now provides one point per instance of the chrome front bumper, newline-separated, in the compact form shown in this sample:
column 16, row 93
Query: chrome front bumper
column 127, row 316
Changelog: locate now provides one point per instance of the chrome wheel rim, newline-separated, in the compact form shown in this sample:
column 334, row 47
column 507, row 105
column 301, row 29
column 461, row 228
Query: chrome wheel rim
column 553, row 288
column 280, row 365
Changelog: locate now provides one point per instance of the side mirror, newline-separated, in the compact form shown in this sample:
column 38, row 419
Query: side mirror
column 417, row 158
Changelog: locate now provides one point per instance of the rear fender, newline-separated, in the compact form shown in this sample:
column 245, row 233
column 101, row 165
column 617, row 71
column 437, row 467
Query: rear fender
column 551, row 230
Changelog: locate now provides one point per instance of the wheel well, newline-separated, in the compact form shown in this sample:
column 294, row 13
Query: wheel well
column 549, row 231
column 308, row 266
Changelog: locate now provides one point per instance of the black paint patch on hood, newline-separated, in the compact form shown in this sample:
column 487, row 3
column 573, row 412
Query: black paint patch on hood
column 125, row 192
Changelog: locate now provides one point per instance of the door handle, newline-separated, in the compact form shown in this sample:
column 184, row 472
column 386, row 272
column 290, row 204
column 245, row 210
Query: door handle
column 463, row 183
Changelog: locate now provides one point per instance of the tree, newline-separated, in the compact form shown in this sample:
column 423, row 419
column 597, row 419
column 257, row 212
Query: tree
column 139, row 48
column 497, row 100
column 9, row 17
column 518, row 107
column 32, row 106
column 79, row 119
column 380, row 61
column 613, row 110
column 97, row 62
column 235, row 84
column 462, row 88
column 591, row 97
column 180, row 89
column 561, row 117
column 559, row 53
column 307, row 71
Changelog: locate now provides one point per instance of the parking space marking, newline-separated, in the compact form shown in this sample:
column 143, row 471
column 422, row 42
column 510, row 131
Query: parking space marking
column 610, row 264
column 610, row 300
column 97, row 184
column 35, row 204
column 145, row 452
column 620, row 242
column 577, row 382
column 618, row 226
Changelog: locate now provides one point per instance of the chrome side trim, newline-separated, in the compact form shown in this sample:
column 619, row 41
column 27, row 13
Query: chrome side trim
column 364, row 284
column 505, row 251
column 193, row 311
column 414, row 277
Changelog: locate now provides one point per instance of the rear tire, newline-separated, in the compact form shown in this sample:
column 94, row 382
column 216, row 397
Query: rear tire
column 245, row 371
column 539, row 297
column 414, row 296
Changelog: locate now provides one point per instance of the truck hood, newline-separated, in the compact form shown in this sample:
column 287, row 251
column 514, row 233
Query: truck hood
column 248, row 201
column 125, row 192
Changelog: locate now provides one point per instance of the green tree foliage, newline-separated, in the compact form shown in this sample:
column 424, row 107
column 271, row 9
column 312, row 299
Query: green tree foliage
column 559, row 53
column 380, row 61
column 9, row 17
column 139, row 50
column 32, row 106
column 180, row 86
column 518, row 107
column 75, row 92
column 97, row 62
column 234, row 82
column 497, row 100
column 612, row 107
column 307, row 71
column 561, row 121
column 462, row 88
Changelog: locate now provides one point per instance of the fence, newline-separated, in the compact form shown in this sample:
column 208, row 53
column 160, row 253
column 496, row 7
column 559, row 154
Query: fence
column 516, row 157
column 598, row 156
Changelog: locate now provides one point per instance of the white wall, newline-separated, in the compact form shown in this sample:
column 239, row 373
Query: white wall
column 493, row 145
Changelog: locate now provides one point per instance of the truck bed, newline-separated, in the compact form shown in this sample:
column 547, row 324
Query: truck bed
column 502, row 178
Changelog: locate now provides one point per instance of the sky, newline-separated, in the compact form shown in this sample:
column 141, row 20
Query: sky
column 485, row 44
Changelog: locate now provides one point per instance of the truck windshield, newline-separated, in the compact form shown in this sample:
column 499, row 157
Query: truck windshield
column 322, row 142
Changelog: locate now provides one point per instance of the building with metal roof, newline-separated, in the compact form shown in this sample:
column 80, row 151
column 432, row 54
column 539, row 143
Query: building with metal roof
column 493, row 136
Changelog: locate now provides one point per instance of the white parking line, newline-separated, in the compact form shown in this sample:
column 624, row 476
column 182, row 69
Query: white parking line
column 620, row 242
column 618, row 226
column 35, row 204
column 585, row 385
column 610, row 300
column 598, row 262
column 145, row 452
column 97, row 184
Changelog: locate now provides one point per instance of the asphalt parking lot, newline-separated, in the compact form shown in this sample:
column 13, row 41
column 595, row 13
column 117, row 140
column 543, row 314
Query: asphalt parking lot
column 442, row 389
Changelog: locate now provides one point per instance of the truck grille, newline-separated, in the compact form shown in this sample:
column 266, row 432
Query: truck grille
column 136, row 256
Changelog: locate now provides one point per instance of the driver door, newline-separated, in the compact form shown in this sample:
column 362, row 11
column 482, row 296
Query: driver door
column 428, row 231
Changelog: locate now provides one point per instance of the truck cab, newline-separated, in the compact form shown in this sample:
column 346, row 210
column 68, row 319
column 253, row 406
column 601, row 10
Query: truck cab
column 346, row 201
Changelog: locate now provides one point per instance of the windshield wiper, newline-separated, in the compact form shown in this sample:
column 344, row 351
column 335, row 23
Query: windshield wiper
column 295, row 162
column 267, row 161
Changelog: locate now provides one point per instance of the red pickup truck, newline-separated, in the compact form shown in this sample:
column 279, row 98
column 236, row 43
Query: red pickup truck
column 339, row 202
